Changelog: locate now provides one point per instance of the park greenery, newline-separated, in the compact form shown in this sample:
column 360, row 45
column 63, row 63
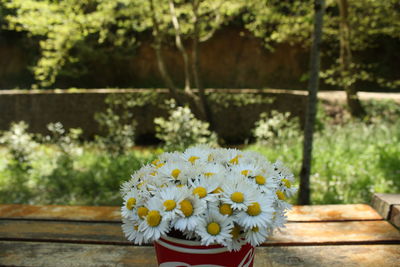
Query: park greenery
column 67, row 31
column 352, row 158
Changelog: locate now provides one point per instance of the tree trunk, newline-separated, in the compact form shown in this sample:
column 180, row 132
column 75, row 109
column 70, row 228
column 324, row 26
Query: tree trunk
column 304, row 193
column 160, row 59
column 196, row 106
column 196, row 65
column 179, row 45
column 353, row 101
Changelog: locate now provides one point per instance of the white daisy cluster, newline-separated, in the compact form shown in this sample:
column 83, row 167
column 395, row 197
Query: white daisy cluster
column 216, row 196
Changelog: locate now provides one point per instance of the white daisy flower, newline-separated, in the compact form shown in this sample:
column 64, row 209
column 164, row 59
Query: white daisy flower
column 212, row 170
column 256, row 235
column 129, row 205
column 222, row 208
column 215, row 228
column 136, row 178
column 154, row 224
column 131, row 231
column 204, row 188
column 196, row 155
column 169, row 198
column 230, row 156
column 237, row 240
column 280, row 202
column 279, row 219
column 251, row 157
column 175, row 172
column 258, row 213
column 238, row 194
column 170, row 157
column 245, row 169
column 192, row 208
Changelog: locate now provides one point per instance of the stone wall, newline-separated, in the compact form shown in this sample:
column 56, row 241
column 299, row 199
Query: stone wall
column 77, row 108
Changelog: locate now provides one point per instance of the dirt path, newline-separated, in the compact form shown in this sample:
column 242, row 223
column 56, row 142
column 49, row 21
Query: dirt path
column 340, row 96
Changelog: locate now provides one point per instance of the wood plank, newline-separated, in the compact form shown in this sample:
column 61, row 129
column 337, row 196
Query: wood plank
column 59, row 254
column 353, row 212
column 395, row 216
column 57, row 212
column 336, row 233
column 378, row 232
column 92, row 213
column 383, row 203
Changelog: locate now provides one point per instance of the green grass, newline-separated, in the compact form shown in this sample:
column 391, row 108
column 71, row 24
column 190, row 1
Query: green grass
column 92, row 178
column 350, row 162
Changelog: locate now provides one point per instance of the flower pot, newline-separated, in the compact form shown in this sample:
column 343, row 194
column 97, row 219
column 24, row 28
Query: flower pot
column 173, row 252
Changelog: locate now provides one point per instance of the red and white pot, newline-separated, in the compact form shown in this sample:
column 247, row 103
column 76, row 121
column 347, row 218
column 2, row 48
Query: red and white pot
column 173, row 252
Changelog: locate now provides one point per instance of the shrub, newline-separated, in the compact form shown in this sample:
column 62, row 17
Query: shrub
column 182, row 129
column 119, row 129
column 276, row 127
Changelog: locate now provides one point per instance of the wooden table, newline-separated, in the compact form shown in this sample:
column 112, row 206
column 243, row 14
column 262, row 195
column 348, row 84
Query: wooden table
column 328, row 235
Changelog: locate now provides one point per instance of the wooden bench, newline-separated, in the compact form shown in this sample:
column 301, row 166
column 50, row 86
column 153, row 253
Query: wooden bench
column 328, row 235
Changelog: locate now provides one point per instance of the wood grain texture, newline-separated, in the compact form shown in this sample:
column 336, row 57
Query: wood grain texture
column 56, row 212
column 352, row 212
column 295, row 233
column 383, row 203
column 395, row 216
column 59, row 254
column 89, row 213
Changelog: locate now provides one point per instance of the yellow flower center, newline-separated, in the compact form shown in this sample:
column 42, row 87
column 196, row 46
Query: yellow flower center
column 217, row 190
column 237, row 197
column 210, row 157
column 235, row 160
column 260, row 179
column 175, row 173
column 154, row 173
column 153, row 218
column 169, row 204
column 155, row 162
column 186, row 208
column 280, row 195
column 255, row 229
column 245, row 172
column 254, row 209
column 200, row 191
column 130, row 203
column 140, row 185
column 142, row 212
column 159, row 165
column 235, row 232
column 136, row 227
column 286, row 182
column 225, row 209
column 213, row 228
column 193, row 159
column 208, row 174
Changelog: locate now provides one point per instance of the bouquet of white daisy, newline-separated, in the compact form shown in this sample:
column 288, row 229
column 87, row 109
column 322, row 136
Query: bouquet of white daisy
column 215, row 196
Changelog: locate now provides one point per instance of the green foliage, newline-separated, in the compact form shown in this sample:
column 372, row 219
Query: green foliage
column 119, row 125
column 20, row 143
column 351, row 160
column 224, row 100
column 61, row 170
column 182, row 129
column 291, row 22
column 276, row 128
column 18, row 164
column 68, row 29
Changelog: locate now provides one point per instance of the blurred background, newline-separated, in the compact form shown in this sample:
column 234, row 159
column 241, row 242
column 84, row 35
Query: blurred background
column 92, row 89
